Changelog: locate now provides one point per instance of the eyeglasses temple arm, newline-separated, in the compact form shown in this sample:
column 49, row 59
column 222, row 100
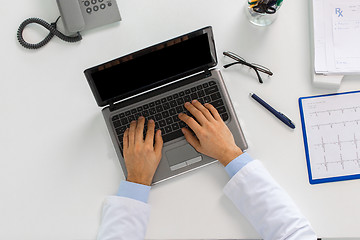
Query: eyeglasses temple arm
column 258, row 75
column 247, row 64
column 230, row 64
column 263, row 70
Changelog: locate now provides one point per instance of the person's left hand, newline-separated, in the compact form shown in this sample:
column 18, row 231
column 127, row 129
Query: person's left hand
column 141, row 156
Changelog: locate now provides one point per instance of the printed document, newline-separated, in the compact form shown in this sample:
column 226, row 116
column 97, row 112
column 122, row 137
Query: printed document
column 337, row 36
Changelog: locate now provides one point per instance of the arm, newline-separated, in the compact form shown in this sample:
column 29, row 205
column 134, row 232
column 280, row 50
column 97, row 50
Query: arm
column 266, row 205
column 251, row 188
column 126, row 215
column 123, row 218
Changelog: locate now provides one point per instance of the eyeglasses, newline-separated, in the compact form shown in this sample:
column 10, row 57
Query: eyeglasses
column 240, row 60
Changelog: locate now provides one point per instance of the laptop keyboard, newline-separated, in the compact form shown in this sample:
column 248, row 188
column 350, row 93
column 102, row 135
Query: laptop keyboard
column 165, row 111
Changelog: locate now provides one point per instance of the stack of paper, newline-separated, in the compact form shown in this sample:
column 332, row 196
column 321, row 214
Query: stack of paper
column 336, row 36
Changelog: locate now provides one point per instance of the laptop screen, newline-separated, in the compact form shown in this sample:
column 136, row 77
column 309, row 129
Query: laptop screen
column 152, row 67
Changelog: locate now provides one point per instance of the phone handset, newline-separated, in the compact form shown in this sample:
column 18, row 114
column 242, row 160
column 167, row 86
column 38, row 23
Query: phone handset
column 71, row 14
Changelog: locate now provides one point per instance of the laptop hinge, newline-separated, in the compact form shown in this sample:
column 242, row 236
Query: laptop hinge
column 111, row 105
column 207, row 73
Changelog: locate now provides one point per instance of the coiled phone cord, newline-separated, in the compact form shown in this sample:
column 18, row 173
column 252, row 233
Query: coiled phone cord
column 52, row 29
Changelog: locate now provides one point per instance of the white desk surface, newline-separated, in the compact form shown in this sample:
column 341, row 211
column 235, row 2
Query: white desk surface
column 57, row 160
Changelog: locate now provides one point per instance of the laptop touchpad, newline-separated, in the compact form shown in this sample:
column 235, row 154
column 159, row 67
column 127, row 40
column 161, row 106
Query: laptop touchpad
column 182, row 156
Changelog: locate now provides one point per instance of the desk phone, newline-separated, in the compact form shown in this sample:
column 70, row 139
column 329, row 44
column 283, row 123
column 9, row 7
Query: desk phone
column 77, row 16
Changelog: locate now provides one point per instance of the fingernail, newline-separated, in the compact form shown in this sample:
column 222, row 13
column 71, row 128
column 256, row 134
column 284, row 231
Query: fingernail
column 180, row 114
column 141, row 117
column 187, row 104
column 151, row 120
column 194, row 101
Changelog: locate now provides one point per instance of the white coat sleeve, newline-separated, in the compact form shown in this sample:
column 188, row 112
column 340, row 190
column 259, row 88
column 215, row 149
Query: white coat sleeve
column 123, row 219
column 266, row 205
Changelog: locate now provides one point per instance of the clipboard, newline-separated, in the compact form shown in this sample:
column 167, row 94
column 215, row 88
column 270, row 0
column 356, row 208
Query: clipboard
column 331, row 133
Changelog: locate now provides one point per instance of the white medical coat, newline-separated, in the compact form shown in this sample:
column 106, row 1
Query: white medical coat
column 253, row 191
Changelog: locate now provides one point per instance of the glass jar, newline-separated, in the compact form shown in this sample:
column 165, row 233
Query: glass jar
column 261, row 19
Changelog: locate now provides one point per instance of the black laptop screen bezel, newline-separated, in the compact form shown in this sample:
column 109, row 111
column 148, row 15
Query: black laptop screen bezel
column 104, row 102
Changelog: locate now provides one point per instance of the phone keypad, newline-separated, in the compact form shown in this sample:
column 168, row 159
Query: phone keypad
column 95, row 5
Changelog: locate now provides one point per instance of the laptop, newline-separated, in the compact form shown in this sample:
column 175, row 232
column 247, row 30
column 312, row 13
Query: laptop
column 155, row 82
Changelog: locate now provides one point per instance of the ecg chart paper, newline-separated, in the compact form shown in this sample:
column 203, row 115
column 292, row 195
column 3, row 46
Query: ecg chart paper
column 331, row 127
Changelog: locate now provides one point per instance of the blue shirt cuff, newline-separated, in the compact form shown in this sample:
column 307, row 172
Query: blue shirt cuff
column 238, row 163
column 135, row 191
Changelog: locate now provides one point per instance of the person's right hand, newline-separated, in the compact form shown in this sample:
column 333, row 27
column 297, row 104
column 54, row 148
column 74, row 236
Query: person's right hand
column 142, row 156
column 213, row 138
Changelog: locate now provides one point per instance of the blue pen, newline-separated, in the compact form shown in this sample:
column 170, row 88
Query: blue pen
column 277, row 114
